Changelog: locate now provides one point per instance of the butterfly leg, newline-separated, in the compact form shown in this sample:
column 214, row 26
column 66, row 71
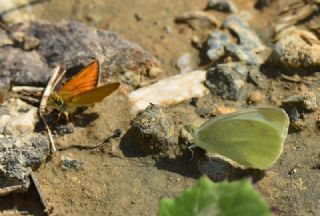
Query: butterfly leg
column 59, row 117
column 66, row 114
column 72, row 118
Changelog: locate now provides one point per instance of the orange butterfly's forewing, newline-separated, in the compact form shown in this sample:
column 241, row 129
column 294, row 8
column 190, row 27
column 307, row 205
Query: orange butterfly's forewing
column 86, row 80
column 95, row 95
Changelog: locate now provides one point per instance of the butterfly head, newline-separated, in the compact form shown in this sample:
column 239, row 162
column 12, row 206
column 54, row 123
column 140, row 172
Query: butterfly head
column 55, row 101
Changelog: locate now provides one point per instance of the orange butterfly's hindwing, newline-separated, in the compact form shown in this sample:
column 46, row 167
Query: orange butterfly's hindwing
column 95, row 95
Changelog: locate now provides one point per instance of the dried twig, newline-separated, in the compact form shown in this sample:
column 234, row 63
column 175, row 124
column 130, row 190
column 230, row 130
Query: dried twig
column 53, row 146
column 29, row 99
column 31, row 89
column 50, row 86
column 115, row 134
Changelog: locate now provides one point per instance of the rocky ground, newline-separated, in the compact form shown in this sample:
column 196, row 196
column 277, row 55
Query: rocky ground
column 194, row 60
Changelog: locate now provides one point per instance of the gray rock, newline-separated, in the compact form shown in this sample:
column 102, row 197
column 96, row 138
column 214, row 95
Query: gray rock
column 216, row 43
column 155, row 132
column 243, row 54
column 306, row 102
column 227, row 80
column 71, row 44
column 19, row 155
column 222, row 5
column 23, row 68
column 245, row 35
column 220, row 45
column 255, row 77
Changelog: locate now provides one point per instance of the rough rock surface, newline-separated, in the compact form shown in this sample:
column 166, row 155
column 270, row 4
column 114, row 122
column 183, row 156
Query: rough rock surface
column 19, row 155
column 70, row 44
column 155, row 132
column 246, row 36
column 227, row 80
column 297, row 48
column 220, row 45
column 216, row 43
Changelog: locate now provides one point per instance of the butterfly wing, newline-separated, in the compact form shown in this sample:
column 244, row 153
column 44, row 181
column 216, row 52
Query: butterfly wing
column 95, row 95
column 86, row 80
column 252, row 137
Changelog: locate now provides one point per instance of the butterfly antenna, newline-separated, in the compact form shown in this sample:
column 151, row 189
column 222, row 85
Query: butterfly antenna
column 192, row 153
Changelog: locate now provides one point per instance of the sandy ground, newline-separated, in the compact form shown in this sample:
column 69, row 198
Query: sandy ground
column 113, row 182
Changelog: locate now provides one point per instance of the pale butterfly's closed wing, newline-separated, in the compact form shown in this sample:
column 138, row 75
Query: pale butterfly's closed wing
column 253, row 137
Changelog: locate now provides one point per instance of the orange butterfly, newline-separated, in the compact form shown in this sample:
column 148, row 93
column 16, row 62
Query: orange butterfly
column 81, row 91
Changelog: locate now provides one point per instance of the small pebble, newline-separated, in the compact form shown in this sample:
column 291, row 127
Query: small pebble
column 255, row 97
column 194, row 101
column 137, row 17
column 221, row 110
column 306, row 102
column 293, row 113
column 226, row 6
column 67, row 163
column 196, row 42
column 292, row 171
column 184, row 63
column 168, row 29
column 260, row 4
column 65, row 129
column 203, row 112
column 74, row 179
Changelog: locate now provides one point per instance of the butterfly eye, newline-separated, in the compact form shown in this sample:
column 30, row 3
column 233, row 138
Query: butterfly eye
column 58, row 101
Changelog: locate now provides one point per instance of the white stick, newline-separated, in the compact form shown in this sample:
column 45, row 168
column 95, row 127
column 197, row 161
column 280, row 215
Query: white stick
column 50, row 86
column 27, row 88
column 49, row 89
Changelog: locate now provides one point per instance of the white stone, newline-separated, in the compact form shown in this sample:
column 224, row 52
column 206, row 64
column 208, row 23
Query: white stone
column 4, row 119
column 21, row 118
column 15, row 13
column 22, row 124
column 170, row 91
column 184, row 63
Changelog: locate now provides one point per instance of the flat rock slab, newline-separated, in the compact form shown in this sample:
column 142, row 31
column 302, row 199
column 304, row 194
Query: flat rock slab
column 19, row 155
column 39, row 46
column 170, row 91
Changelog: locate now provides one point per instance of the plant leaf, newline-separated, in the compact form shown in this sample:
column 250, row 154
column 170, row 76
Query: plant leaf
column 212, row 199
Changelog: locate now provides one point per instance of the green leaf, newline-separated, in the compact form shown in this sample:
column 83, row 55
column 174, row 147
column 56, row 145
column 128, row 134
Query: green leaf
column 216, row 199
